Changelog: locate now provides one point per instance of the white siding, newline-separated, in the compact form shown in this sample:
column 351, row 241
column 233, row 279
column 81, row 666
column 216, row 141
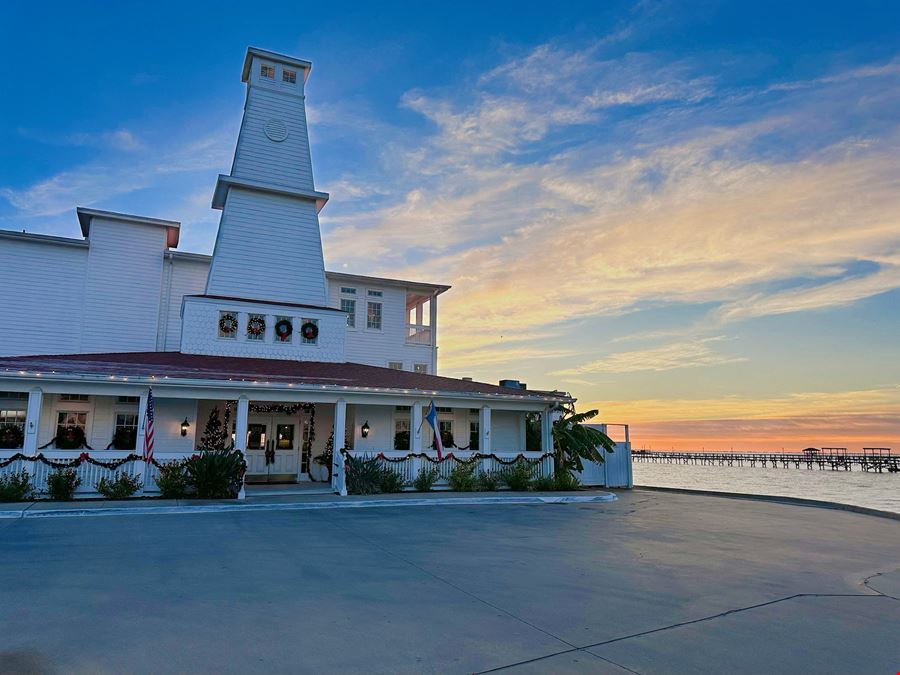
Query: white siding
column 42, row 285
column 200, row 333
column 122, row 287
column 379, row 347
column 185, row 276
column 268, row 248
column 286, row 163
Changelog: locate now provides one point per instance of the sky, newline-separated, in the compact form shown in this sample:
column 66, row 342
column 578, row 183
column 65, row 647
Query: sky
column 685, row 213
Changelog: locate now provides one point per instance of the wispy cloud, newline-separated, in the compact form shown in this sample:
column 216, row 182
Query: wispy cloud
column 689, row 354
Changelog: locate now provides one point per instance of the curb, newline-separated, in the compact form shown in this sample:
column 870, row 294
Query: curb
column 777, row 499
column 305, row 506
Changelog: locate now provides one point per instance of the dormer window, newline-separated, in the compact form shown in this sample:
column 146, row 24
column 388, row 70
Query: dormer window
column 267, row 71
column 289, row 76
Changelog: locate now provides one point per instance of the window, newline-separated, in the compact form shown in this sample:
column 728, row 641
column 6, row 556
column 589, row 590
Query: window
column 395, row 365
column 228, row 325
column 267, row 71
column 446, row 427
column 310, row 336
column 130, row 400
column 284, row 329
column 373, row 318
column 401, row 433
column 256, row 327
column 66, row 419
column 289, row 76
column 403, row 408
column 348, row 291
column 125, row 434
column 449, row 411
column 420, row 368
column 349, row 305
column 474, row 435
column 376, row 294
column 74, row 397
column 15, row 418
column 14, row 394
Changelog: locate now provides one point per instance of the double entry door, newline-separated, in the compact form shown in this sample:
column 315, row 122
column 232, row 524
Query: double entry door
column 275, row 444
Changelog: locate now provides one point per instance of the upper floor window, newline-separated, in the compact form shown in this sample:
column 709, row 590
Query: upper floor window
column 131, row 400
column 284, row 328
column 69, row 419
column 373, row 317
column 256, row 327
column 74, row 397
column 349, row 305
column 376, row 294
column 267, row 71
column 14, row 394
column 346, row 290
column 421, row 368
column 395, row 365
column 228, row 325
column 310, row 331
column 289, row 76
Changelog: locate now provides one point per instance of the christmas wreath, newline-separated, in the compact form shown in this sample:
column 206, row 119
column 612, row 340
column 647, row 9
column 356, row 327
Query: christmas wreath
column 256, row 325
column 283, row 330
column 309, row 331
column 228, row 324
column 11, row 436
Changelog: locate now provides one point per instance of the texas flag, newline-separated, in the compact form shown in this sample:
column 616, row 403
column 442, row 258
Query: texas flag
column 432, row 418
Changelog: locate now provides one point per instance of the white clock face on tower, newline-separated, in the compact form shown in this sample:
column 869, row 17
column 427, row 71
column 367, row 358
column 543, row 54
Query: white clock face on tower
column 276, row 130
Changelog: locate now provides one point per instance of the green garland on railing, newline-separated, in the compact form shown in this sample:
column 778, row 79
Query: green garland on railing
column 470, row 460
column 73, row 463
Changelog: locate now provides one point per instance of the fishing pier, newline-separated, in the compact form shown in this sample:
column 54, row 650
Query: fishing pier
column 878, row 460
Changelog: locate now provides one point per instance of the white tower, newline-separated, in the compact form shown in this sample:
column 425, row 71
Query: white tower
column 268, row 246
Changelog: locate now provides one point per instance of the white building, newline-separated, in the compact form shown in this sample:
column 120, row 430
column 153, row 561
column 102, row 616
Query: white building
column 260, row 328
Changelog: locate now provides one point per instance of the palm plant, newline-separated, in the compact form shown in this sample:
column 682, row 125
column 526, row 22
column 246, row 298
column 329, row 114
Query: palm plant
column 574, row 442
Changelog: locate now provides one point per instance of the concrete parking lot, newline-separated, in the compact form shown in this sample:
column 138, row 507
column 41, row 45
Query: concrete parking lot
column 652, row 583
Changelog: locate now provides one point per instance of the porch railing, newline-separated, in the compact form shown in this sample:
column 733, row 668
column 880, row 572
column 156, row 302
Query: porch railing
column 418, row 334
column 89, row 473
column 408, row 464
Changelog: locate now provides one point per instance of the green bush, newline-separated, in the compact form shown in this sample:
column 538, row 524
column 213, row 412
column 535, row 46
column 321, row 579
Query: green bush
column 121, row 486
column 62, row 483
column 15, row 487
column 566, row 481
column 363, row 475
column 173, row 480
column 390, row 481
column 463, row 478
column 544, row 484
column 426, row 479
column 518, row 476
column 217, row 473
column 488, row 481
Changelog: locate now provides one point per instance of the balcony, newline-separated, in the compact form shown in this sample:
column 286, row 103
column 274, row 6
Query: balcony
column 417, row 334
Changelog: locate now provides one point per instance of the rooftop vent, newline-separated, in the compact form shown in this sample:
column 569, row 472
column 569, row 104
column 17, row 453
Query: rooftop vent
column 466, row 379
column 513, row 384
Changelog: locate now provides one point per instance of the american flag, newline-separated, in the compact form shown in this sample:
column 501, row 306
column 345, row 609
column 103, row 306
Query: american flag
column 148, row 429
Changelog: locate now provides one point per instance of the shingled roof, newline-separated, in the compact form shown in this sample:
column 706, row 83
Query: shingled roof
column 175, row 366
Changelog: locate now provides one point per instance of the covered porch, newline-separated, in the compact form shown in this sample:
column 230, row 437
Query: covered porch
column 85, row 418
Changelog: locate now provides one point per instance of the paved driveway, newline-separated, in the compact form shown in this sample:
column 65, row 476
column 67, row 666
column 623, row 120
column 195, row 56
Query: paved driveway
column 653, row 583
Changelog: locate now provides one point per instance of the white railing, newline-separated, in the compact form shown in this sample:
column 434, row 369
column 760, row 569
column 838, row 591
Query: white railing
column 90, row 474
column 408, row 465
column 418, row 334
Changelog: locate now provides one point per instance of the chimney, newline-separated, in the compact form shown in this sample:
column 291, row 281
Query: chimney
column 512, row 384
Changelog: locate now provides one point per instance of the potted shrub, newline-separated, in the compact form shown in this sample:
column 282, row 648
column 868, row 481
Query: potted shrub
column 62, row 483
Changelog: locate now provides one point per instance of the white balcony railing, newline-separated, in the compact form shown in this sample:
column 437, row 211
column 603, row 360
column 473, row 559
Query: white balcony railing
column 417, row 334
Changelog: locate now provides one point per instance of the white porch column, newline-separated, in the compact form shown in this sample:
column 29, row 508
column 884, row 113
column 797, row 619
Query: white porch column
column 415, row 431
column 484, row 430
column 546, row 431
column 140, row 467
column 338, row 477
column 32, row 421
column 432, row 320
column 242, row 416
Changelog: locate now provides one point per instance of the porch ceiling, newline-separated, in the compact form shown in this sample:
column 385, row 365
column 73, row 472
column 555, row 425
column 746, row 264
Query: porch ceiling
column 172, row 367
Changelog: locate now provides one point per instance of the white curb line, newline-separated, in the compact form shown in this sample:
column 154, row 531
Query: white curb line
column 305, row 506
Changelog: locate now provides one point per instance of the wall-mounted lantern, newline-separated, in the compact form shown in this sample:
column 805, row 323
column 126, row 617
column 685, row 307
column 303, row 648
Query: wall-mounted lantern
column 364, row 429
column 184, row 427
